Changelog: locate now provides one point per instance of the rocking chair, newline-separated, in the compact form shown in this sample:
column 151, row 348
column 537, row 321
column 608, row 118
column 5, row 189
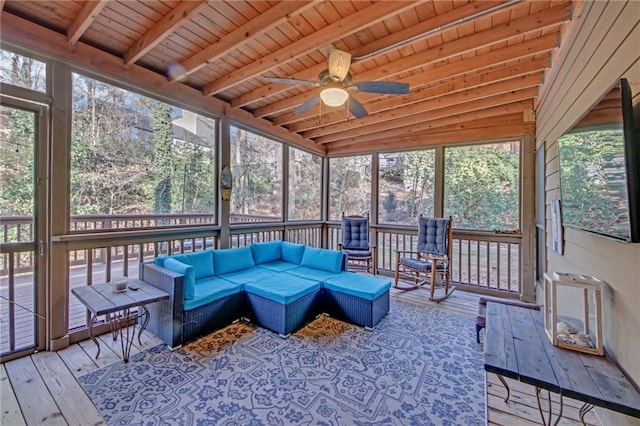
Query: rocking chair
column 431, row 260
column 355, row 243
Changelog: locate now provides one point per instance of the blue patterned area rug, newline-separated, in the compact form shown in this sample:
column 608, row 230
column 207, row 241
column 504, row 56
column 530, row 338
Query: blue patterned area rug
column 420, row 366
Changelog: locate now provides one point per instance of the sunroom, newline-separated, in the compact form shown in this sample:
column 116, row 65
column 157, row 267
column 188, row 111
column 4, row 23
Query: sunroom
column 122, row 122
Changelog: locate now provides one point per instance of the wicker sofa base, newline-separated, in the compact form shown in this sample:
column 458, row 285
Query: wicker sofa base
column 283, row 319
column 211, row 317
column 356, row 310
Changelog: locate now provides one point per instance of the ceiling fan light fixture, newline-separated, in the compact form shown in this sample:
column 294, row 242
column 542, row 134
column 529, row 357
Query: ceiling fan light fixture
column 334, row 96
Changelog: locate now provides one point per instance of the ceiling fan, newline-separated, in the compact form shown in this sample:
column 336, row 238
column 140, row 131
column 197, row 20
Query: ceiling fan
column 336, row 81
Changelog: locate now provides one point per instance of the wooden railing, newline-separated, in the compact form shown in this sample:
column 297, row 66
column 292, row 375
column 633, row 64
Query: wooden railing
column 483, row 260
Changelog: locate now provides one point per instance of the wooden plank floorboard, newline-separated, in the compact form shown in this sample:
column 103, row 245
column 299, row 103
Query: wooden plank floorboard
column 36, row 402
column 10, row 413
column 32, row 391
column 78, row 410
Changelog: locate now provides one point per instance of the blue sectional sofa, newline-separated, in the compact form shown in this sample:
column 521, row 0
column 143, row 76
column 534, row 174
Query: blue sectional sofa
column 278, row 285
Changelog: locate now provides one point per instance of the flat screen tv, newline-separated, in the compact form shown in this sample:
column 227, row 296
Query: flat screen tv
column 600, row 168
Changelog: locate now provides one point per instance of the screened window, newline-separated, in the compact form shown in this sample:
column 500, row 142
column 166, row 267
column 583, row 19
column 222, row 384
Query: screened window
column 350, row 186
column 138, row 162
column 256, row 165
column 406, row 186
column 23, row 71
column 305, row 179
column 482, row 186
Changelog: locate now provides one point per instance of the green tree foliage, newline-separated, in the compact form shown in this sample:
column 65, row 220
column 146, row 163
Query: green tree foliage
column 482, row 186
column 162, row 159
column 592, row 180
column 256, row 165
column 349, row 185
column 305, row 175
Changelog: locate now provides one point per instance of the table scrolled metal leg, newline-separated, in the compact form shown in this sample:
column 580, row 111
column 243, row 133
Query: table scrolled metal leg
column 145, row 322
column 549, row 420
column 504, row 383
column 94, row 320
column 126, row 338
column 584, row 410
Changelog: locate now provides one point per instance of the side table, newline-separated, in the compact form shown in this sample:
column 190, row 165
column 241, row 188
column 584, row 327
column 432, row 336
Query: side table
column 100, row 299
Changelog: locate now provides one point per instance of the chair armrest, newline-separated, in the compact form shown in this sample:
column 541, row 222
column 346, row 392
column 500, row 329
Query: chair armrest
column 165, row 316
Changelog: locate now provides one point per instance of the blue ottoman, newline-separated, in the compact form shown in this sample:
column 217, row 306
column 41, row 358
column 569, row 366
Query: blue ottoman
column 282, row 302
column 358, row 298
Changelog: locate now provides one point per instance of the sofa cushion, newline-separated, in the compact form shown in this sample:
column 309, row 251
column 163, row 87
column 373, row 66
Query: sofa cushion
column 292, row 252
column 282, row 289
column 326, row 260
column 311, row 273
column 189, row 275
column 202, row 261
column 247, row 275
column 160, row 260
column 231, row 260
column 278, row 266
column 209, row 290
column 266, row 252
column 359, row 285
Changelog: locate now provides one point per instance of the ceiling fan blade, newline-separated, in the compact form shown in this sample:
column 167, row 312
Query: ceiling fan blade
column 382, row 87
column 305, row 106
column 356, row 108
column 339, row 63
column 290, row 81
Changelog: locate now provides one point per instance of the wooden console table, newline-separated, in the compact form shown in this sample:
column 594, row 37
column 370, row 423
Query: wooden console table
column 517, row 347
column 100, row 299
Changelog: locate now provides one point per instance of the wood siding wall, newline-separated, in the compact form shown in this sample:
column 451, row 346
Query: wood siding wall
column 600, row 47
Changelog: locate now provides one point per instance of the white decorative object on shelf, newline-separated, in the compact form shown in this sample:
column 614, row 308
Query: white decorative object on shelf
column 569, row 331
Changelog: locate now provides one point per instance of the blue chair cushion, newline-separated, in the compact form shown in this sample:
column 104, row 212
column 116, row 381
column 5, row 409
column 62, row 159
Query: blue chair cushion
column 189, row 275
column 422, row 265
column 326, row 260
column 160, row 260
column 432, row 235
column 358, row 253
column 282, row 289
column 266, row 252
column 355, row 232
column 362, row 286
column 202, row 261
column 278, row 266
column 209, row 290
column 311, row 273
column 232, row 260
column 292, row 252
column 247, row 275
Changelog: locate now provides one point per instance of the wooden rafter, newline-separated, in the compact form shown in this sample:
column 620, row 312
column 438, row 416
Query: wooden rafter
column 276, row 15
column 310, row 120
column 166, row 26
column 401, row 111
column 512, row 52
column 84, row 19
column 29, row 34
column 414, row 123
column 348, row 25
column 431, row 24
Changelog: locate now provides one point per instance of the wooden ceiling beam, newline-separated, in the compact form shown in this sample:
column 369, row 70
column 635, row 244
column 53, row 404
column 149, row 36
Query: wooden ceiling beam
column 84, row 19
column 493, row 133
column 21, row 32
column 420, row 122
column 447, row 88
column 162, row 29
column 271, row 18
column 509, row 53
column 428, row 104
column 332, row 32
column 310, row 73
column 488, row 117
column 499, row 33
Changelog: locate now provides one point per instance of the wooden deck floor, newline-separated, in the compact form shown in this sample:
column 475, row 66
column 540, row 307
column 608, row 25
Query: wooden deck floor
column 42, row 388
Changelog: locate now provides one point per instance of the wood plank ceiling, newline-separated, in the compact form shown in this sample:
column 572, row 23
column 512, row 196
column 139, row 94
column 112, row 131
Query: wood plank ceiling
column 474, row 67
